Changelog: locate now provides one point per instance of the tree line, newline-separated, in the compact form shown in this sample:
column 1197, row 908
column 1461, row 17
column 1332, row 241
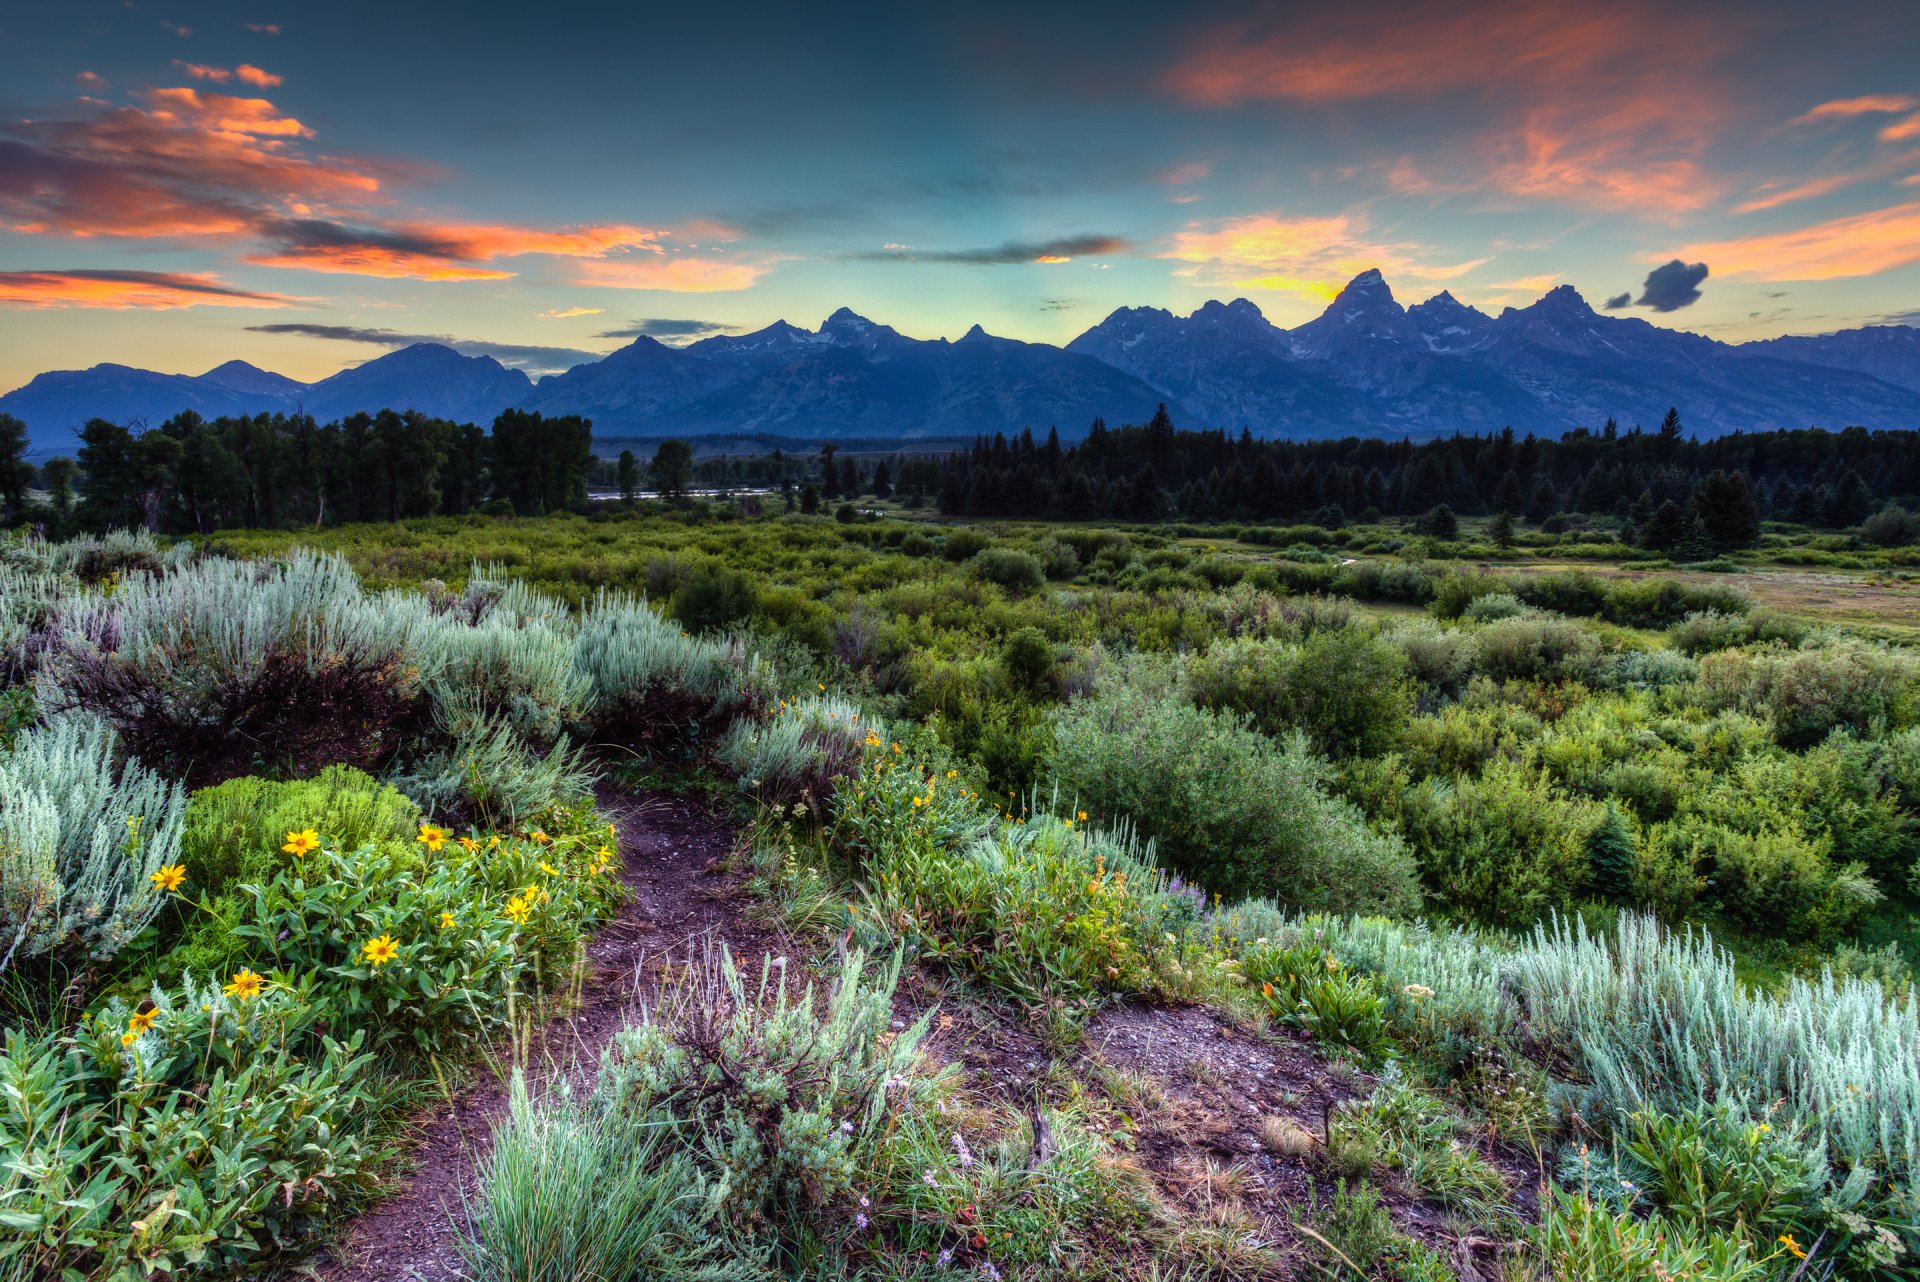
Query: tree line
column 1669, row 491
column 192, row 475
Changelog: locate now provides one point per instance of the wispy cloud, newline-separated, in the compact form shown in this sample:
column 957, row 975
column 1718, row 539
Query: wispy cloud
column 1856, row 245
column 1059, row 250
column 568, row 313
column 525, row 356
column 1846, row 108
column 1614, row 104
column 129, row 289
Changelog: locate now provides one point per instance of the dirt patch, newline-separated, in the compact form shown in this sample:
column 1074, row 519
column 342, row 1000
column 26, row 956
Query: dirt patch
column 675, row 865
column 996, row 1050
column 1209, row 1100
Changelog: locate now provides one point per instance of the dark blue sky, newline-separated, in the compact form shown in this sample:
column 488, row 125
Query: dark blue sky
column 175, row 176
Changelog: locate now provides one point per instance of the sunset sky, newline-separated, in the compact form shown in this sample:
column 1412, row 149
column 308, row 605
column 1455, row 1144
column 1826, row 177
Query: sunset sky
column 306, row 185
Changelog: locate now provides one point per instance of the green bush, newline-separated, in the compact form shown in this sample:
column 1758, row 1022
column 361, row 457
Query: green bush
column 1010, row 568
column 1505, row 848
column 1347, row 690
column 1225, row 805
column 963, row 542
column 234, row 831
column 1809, row 693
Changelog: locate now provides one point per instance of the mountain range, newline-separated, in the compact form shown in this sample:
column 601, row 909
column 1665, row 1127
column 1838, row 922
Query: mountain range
column 1365, row 366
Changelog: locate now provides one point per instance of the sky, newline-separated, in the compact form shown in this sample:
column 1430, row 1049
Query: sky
column 307, row 186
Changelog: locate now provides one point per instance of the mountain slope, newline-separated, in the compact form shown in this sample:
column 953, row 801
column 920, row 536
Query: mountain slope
column 850, row 378
column 1890, row 353
column 57, row 404
column 428, row 377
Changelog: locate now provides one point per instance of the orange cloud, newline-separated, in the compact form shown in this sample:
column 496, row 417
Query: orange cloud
column 1606, row 104
column 190, row 163
column 1901, row 130
column 681, row 274
column 1309, row 257
column 91, row 81
column 128, row 289
column 417, row 251
column 219, row 75
column 1857, row 245
column 250, row 74
column 567, row 313
column 1842, row 108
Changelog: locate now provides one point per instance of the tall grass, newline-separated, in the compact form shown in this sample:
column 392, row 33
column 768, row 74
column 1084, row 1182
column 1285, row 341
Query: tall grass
column 570, row 1193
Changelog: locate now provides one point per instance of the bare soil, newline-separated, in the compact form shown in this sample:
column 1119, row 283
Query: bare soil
column 1202, row 1141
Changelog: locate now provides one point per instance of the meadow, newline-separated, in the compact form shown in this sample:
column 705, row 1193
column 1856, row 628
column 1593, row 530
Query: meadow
column 1577, row 888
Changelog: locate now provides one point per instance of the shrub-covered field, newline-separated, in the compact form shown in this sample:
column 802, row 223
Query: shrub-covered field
column 1611, row 880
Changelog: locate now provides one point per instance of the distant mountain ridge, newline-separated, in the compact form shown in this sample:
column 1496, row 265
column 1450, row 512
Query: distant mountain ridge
column 1366, row 366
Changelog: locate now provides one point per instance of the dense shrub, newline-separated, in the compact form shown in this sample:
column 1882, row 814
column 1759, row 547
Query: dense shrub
column 219, row 669
column 82, row 840
column 1226, row 806
column 1012, row 569
column 963, row 542
column 1534, row 648
column 800, row 750
column 1808, row 693
column 1347, row 690
column 653, row 689
column 1506, row 848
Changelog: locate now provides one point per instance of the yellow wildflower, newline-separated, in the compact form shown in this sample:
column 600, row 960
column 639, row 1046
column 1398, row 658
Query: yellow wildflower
column 518, row 908
column 243, row 985
column 549, row 869
column 128, row 1039
column 304, row 842
column 141, row 1020
column 380, row 951
column 1083, row 816
column 469, row 845
column 1793, row 1247
column 169, row 877
column 539, row 837
column 448, row 921
column 432, row 837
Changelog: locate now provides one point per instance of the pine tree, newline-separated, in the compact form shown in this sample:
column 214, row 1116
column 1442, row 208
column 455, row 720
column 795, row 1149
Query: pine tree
column 1611, row 855
column 15, row 472
column 627, row 477
column 1850, row 501
column 829, row 474
column 883, row 481
column 1501, row 531
column 1544, row 503
column 1663, row 530
column 1724, row 504
column 1441, row 523
column 1507, row 495
column 1695, row 543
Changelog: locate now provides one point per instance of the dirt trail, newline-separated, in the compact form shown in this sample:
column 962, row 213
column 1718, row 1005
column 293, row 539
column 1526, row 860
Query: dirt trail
column 671, row 850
